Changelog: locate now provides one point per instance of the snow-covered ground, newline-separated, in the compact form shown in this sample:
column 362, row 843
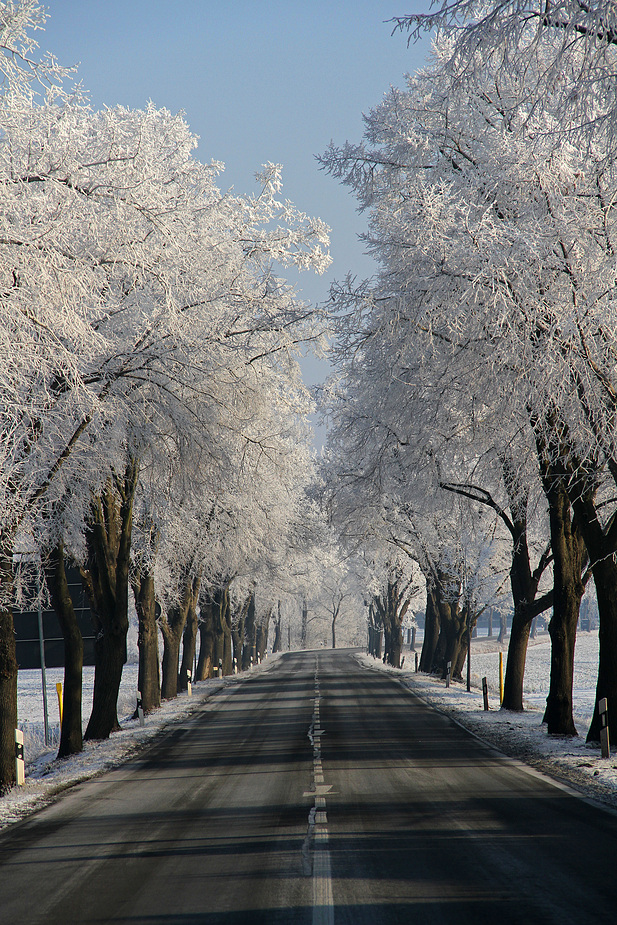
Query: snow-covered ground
column 520, row 735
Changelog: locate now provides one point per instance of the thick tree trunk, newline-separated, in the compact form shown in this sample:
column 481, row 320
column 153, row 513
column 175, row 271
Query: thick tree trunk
column 396, row 647
column 109, row 658
column 568, row 552
column 249, row 648
column 220, row 605
column 149, row 677
column 206, row 641
column 600, row 545
column 455, row 628
column 8, row 668
column 524, row 587
column 71, row 734
column 515, row 663
column 431, row 629
column 605, row 579
column 171, row 657
column 461, row 658
column 237, row 632
column 261, row 642
column 106, row 578
column 556, row 471
column 172, row 627
column 189, row 644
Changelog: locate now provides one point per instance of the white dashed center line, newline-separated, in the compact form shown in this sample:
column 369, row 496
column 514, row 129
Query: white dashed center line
column 316, row 853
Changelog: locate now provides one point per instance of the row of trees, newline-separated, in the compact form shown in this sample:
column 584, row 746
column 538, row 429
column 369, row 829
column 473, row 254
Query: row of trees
column 476, row 394
column 151, row 403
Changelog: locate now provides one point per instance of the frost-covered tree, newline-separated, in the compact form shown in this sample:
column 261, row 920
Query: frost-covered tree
column 134, row 293
column 496, row 250
column 567, row 49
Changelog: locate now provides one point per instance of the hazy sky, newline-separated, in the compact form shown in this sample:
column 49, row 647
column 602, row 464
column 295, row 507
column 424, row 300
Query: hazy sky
column 258, row 80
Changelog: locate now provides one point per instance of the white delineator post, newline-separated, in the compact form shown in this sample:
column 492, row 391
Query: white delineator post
column 604, row 740
column 20, row 764
column 140, row 710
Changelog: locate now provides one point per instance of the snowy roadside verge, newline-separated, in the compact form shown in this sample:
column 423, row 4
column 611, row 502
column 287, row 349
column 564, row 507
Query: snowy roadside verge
column 47, row 776
column 522, row 735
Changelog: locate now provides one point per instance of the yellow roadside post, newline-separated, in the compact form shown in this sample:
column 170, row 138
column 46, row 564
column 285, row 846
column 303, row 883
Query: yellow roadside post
column 60, row 704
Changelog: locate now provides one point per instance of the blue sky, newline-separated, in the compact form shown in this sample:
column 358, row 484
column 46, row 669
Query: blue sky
column 259, row 80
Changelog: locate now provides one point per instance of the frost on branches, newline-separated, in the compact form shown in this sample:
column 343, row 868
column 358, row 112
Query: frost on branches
column 491, row 322
column 567, row 49
column 142, row 318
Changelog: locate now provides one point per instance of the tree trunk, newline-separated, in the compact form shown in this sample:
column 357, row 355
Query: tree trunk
column 106, row 579
column 601, row 548
column 225, row 618
column 515, row 663
column 469, row 624
column 220, row 603
column 503, row 627
column 568, row 552
column 237, row 632
column 278, row 642
column 149, row 677
column 172, row 627
column 8, row 669
column 261, row 642
column 71, row 735
column 455, row 629
column 171, row 657
column 250, row 636
column 605, row 579
column 524, row 587
column 206, row 640
column 189, row 643
column 431, row 629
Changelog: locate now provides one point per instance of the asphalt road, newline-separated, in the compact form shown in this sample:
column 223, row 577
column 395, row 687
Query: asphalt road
column 316, row 792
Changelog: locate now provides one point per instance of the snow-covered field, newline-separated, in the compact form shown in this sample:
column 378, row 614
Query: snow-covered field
column 519, row 735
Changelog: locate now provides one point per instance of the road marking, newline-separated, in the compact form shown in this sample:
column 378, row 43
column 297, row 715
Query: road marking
column 315, row 851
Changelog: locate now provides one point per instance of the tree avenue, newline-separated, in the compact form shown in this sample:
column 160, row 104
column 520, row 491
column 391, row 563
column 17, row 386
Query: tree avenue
column 154, row 419
column 149, row 349
column 480, row 361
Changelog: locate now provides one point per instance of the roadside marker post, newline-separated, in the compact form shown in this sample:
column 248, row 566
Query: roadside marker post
column 485, row 692
column 448, row 673
column 140, row 710
column 20, row 764
column 220, row 667
column 604, row 740
column 189, row 688
column 235, row 665
column 60, row 701
column 416, row 662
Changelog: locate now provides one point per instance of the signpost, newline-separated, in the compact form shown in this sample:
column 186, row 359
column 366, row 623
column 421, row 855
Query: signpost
column 604, row 740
